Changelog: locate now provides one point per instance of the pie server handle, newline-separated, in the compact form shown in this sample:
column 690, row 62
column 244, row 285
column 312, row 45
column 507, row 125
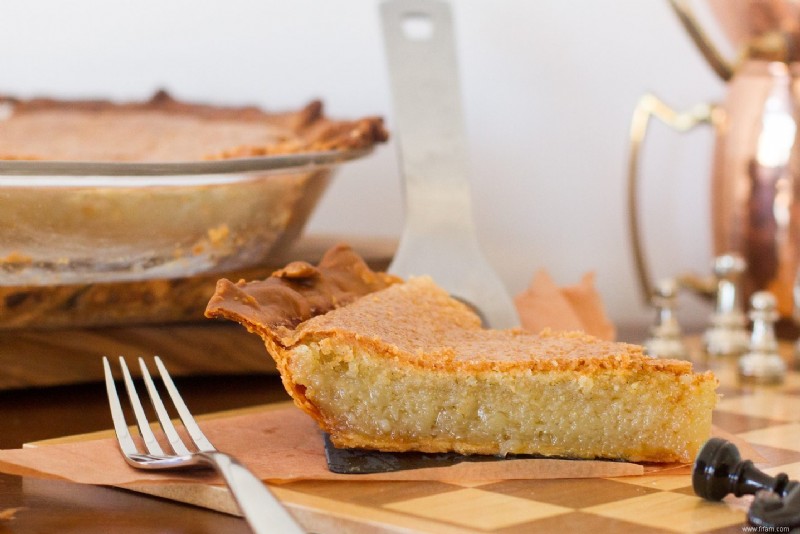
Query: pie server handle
column 439, row 238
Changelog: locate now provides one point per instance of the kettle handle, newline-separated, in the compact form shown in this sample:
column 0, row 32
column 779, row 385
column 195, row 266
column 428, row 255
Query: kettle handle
column 649, row 106
column 721, row 66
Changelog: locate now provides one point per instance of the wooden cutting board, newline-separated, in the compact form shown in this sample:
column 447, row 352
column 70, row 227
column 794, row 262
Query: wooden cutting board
column 32, row 355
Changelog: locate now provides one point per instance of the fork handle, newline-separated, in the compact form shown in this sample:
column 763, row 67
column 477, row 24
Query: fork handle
column 259, row 506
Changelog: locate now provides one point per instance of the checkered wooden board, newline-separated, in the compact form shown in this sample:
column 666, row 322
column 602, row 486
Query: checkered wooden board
column 766, row 417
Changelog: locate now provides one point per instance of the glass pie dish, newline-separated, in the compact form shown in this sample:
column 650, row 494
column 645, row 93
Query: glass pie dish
column 97, row 192
column 121, row 223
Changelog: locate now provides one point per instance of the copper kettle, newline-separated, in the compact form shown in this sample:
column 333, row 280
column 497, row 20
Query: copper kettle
column 755, row 187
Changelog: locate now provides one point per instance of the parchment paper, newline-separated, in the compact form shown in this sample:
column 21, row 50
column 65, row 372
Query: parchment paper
column 578, row 307
column 280, row 443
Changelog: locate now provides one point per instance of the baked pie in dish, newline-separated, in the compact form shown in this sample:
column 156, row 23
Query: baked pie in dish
column 98, row 191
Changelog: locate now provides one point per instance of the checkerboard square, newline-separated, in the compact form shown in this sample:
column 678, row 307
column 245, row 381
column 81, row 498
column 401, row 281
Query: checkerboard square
column 477, row 508
column 775, row 456
column 569, row 492
column 780, row 436
column 764, row 403
column 659, row 482
column 370, row 493
column 580, row 522
column 793, row 470
column 672, row 511
column 736, row 423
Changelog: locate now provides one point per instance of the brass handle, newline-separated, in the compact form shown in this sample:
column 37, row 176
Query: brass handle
column 649, row 106
column 721, row 66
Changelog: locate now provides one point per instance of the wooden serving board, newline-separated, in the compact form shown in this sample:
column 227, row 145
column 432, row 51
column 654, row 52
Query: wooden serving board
column 35, row 353
column 768, row 418
column 31, row 358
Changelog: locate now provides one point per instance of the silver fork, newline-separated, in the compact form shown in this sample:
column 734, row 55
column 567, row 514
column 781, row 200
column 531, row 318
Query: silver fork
column 260, row 508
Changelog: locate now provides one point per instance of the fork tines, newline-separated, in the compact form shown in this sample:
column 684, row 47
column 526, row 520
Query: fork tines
column 151, row 444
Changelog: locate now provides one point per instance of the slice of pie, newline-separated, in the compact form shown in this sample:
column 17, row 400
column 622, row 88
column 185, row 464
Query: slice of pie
column 399, row 366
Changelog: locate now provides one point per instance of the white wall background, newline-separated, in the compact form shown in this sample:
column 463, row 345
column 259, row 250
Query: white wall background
column 548, row 85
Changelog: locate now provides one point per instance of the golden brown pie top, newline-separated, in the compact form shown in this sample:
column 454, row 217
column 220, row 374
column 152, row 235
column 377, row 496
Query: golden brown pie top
column 415, row 321
column 164, row 129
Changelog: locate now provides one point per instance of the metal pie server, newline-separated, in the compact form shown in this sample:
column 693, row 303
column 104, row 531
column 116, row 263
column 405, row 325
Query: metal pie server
column 439, row 238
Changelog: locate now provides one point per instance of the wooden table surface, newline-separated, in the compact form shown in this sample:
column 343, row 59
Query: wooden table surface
column 38, row 401
column 767, row 417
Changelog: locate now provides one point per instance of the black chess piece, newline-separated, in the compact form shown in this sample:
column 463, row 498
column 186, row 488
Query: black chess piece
column 771, row 511
column 719, row 470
